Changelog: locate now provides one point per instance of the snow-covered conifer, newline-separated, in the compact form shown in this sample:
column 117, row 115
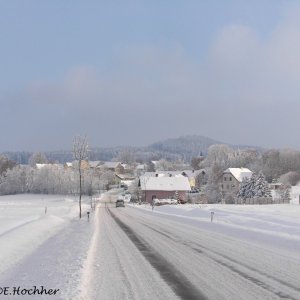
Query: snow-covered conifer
column 261, row 188
column 243, row 188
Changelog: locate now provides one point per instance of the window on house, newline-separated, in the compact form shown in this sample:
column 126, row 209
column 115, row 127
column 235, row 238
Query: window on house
column 225, row 178
column 230, row 178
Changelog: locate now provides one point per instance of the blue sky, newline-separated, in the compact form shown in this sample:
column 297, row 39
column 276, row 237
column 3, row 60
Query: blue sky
column 134, row 72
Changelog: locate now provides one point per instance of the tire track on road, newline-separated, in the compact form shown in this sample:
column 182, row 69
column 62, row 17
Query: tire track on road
column 177, row 280
column 209, row 253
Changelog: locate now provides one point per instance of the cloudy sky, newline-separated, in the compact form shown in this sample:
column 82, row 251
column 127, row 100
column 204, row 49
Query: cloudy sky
column 133, row 72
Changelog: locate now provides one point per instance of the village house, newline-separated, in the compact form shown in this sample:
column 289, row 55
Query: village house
column 41, row 166
column 114, row 166
column 232, row 177
column 126, row 178
column 74, row 165
column 190, row 174
column 96, row 164
column 164, row 187
column 139, row 169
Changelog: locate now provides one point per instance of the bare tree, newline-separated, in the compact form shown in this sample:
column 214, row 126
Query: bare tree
column 37, row 158
column 80, row 153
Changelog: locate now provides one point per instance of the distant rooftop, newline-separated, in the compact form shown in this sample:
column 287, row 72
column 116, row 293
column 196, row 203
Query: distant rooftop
column 164, row 183
column 239, row 173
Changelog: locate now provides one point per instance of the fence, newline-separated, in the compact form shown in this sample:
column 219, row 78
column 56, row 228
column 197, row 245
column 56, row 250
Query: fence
column 263, row 200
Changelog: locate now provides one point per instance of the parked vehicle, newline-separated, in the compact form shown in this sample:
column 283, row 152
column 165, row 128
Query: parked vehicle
column 194, row 190
column 126, row 196
column 120, row 203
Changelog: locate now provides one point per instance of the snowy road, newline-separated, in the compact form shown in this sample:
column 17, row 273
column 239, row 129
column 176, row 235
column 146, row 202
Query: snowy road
column 140, row 255
column 134, row 253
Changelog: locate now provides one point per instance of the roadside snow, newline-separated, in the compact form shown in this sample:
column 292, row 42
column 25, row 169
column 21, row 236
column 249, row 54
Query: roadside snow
column 24, row 225
column 278, row 224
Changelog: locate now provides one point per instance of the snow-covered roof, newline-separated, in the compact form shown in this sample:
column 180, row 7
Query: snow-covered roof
column 188, row 173
column 94, row 164
column 140, row 167
column 40, row 166
column 193, row 173
column 162, row 173
column 111, row 164
column 239, row 173
column 164, row 183
column 126, row 176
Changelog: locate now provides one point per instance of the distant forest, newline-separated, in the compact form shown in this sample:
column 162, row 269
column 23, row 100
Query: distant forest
column 183, row 148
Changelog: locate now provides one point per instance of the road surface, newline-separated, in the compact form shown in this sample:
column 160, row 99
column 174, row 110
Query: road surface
column 143, row 255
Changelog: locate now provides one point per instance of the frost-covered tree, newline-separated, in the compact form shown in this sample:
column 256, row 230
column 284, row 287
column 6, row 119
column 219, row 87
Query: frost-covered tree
column 5, row 164
column 291, row 178
column 37, row 158
column 261, row 188
column 284, row 193
column 165, row 165
column 218, row 154
column 243, row 190
column 212, row 188
column 150, row 166
column 80, row 153
column 255, row 187
column 126, row 156
column 195, row 162
column 135, row 191
column 250, row 191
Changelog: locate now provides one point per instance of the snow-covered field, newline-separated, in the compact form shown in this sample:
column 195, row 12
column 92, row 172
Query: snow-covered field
column 26, row 221
column 173, row 252
column 259, row 223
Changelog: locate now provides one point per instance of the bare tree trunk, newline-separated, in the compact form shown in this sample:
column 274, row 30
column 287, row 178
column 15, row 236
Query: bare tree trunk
column 80, row 149
column 80, row 193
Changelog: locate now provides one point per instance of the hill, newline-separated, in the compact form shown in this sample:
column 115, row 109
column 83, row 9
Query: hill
column 184, row 147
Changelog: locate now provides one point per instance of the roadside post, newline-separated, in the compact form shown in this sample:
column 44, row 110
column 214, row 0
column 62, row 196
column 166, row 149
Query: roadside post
column 212, row 216
column 152, row 204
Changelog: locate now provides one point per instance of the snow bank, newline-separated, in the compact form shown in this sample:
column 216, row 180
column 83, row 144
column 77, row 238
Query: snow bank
column 164, row 201
column 26, row 221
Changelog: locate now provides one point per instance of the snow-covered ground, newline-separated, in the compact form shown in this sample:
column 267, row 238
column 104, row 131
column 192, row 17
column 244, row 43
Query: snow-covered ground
column 277, row 224
column 172, row 252
column 26, row 221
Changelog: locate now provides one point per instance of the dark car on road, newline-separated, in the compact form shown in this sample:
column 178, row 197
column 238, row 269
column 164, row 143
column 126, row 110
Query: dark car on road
column 120, row 203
